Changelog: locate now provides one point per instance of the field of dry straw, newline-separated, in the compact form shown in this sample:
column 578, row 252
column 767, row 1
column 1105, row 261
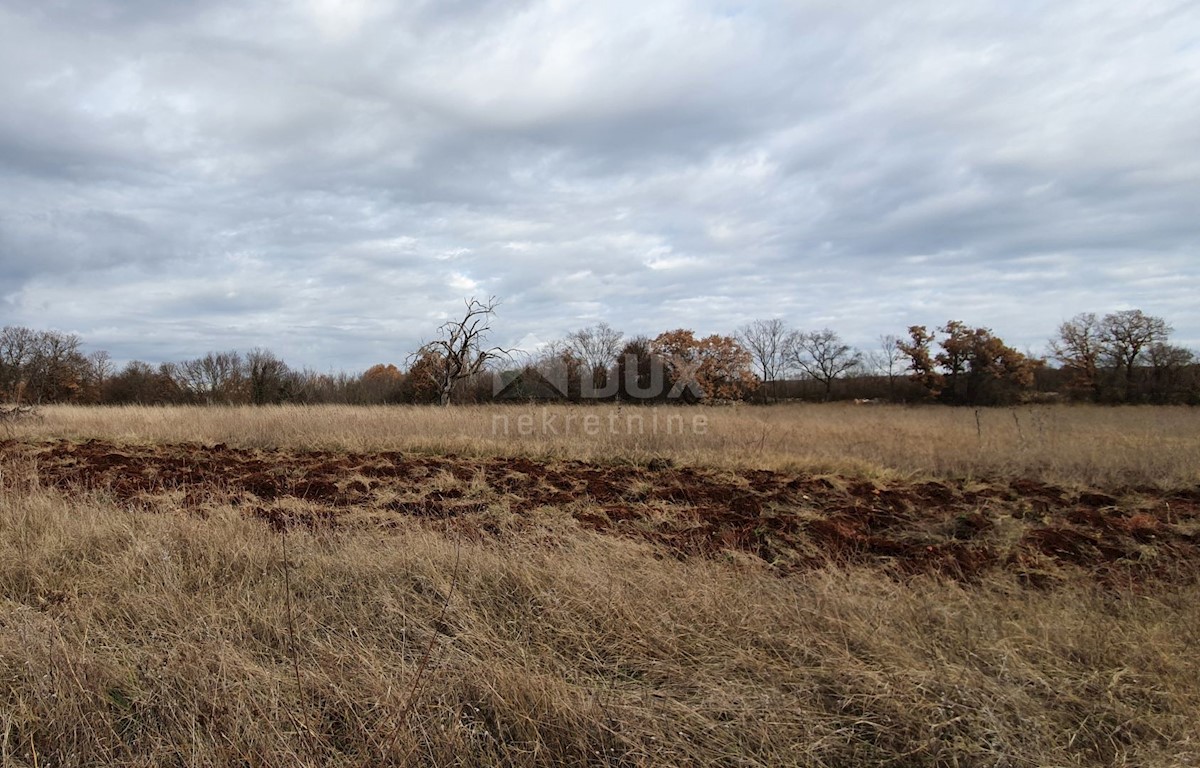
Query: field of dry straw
column 786, row 585
column 1072, row 445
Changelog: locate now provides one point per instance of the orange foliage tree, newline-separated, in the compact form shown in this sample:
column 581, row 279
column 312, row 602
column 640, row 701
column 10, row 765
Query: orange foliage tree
column 973, row 367
column 717, row 365
column 424, row 378
column 383, row 383
column 920, row 359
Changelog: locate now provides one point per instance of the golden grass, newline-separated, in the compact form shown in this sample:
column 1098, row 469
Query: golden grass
column 131, row 638
column 1072, row 445
column 175, row 631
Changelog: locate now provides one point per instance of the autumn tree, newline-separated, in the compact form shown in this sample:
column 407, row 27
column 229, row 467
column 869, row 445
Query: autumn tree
column 382, row 383
column 973, row 367
column 714, row 367
column 821, row 356
column 677, row 353
column 725, row 368
column 979, row 367
column 958, row 348
column 921, row 364
column 422, row 382
column 459, row 351
column 996, row 372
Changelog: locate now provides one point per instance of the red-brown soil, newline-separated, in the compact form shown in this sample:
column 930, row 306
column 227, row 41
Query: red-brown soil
column 792, row 521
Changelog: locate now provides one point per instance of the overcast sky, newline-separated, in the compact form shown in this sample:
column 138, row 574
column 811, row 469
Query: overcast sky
column 331, row 179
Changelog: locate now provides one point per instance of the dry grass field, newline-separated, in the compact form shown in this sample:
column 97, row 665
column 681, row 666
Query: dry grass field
column 1075, row 445
column 791, row 585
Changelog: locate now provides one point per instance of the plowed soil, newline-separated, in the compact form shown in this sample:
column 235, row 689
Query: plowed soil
column 1041, row 532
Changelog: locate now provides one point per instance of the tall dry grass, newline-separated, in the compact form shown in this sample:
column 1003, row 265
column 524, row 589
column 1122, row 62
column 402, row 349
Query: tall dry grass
column 130, row 638
column 1074, row 445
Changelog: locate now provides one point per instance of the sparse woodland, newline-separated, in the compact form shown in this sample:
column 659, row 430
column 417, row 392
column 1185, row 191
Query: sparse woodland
column 1122, row 357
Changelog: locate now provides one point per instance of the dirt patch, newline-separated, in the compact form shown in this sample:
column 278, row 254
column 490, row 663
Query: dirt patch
column 792, row 521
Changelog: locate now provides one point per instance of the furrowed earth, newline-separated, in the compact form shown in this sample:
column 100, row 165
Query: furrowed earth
column 962, row 529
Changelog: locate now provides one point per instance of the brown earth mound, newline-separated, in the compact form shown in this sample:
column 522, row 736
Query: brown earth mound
column 791, row 521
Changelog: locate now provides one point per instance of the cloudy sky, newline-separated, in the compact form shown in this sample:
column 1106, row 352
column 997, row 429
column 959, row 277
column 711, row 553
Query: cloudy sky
column 330, row 179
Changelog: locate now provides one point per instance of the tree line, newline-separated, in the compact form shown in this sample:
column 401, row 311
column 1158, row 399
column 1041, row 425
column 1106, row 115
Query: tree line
column 1119, row 357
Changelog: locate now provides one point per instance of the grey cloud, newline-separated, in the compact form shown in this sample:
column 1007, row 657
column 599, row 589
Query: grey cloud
column 330, row 179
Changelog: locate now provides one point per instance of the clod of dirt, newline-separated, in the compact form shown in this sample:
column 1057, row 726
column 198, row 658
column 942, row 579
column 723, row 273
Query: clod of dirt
column 791, row 521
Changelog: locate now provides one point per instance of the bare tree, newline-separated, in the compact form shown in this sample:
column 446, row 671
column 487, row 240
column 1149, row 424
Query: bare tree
column 767, row 343
column 1169, row 365
column 822, row 356
column 597, row 348
column 1078, row 347
column 216, row 377
column 55, row 369
column 459, row 352
column 99, row 368
column 886, row 360
column 890, row 354
column 141, row 383
column 1127, row 336
column 18, row 348
column 267, row 376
